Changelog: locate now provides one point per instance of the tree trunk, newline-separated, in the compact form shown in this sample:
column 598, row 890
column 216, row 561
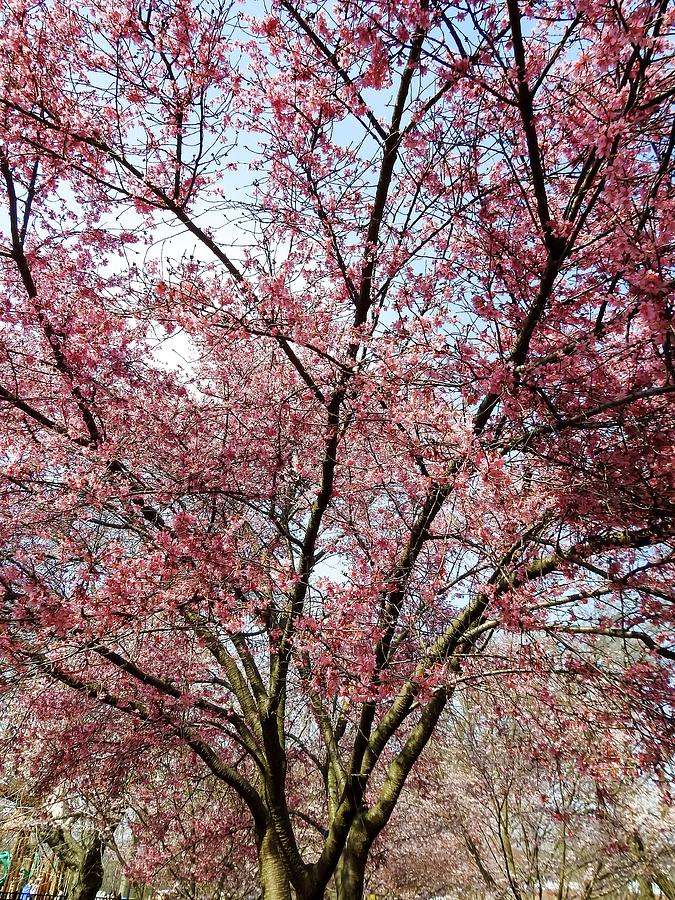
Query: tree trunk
column 89, row 877
column 273, row 875
column 646, row 891
column 84, row 858
column 645, row 888
column 351, row 871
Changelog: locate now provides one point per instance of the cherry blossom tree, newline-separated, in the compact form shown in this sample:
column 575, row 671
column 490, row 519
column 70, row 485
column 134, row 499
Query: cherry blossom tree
column 418, row 259
column 57, row 832
column 112, row 820
column 530, row 811
column 187, row 836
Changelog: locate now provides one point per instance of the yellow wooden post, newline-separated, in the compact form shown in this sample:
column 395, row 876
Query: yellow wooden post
column 13, row 880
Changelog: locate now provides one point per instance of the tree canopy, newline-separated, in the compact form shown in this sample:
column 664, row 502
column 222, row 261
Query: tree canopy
column 336, row 376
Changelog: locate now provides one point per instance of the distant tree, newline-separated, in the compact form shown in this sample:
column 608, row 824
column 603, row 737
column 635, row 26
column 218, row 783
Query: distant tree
column 70, row 837
column 530, row 810
column 153, row 821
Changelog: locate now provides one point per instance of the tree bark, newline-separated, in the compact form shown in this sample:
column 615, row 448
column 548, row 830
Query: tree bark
column 89, row 877
column 84, row 858
column 645, row 889
column 274, row 879
column 351, row 871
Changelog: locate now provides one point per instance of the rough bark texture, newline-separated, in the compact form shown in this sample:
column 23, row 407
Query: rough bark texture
column 350, row 876
column 90, row 870
column 84, row 858
column 273, row 876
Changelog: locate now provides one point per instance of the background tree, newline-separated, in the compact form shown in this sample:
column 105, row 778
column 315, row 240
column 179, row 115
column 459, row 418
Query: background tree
column 74, row 841
column 531, row 811
column 120, row 821
column 426, row 307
